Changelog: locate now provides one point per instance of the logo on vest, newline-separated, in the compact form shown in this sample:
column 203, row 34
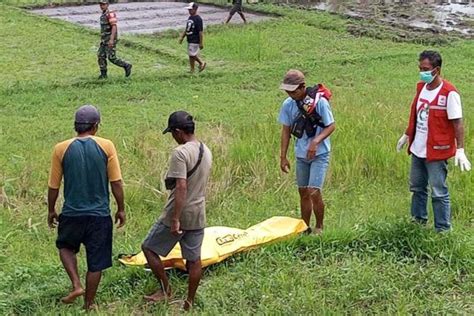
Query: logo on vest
column 442, row 100
column 422, row 116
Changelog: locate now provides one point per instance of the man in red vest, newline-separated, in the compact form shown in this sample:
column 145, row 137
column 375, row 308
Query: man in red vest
column 435, row 133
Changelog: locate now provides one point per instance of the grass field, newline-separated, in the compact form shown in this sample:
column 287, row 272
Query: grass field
column 370, row 259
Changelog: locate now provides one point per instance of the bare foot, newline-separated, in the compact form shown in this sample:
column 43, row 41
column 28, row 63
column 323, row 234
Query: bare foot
column 71, row 297
column 318, row 231
column 91, row 307
column 187, row 305
column 202, row 67
column 157, row 296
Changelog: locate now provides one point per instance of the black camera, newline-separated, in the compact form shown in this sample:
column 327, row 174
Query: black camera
column 298, row 127
column 170, row 183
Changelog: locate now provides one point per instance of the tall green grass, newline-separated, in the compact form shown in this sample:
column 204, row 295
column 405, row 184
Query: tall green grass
column 371, row 259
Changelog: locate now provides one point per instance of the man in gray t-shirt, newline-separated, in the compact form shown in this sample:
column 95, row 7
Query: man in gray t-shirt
column 184, row 217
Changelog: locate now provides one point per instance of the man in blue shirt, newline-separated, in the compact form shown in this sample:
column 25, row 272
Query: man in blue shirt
column 307, row 115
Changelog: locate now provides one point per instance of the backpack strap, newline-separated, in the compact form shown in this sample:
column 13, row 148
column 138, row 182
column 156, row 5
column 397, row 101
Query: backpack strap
column 316, row 117
column 201, row 153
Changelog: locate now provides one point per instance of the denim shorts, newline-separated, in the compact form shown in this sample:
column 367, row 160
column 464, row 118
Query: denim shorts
column 311, row 173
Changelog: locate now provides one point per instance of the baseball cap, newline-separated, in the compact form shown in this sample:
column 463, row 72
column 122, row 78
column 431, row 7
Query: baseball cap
column 192, row 5
column 292, row 80
column 179, row 119
column 104, row 1
column 87, row 114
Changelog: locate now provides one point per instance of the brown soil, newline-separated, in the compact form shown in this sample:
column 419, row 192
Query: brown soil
column 144, row 17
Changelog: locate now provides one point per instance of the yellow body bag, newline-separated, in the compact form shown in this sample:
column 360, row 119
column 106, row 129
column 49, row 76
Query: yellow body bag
column 222, row 242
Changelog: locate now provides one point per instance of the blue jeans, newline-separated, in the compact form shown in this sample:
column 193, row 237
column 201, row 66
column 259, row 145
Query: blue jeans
column 311, row 173
column 434, row 173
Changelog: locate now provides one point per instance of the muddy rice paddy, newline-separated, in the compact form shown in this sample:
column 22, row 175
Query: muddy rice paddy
column 456, row 17
column 401, row 20
column 143, row 17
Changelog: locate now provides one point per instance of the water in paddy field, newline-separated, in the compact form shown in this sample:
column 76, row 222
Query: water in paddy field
column 436, row 16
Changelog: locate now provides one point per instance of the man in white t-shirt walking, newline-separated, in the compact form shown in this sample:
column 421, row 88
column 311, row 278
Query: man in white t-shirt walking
column 435, row 133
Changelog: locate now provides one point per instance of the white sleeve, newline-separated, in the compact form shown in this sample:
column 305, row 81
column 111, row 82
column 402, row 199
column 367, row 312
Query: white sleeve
column 454, row 106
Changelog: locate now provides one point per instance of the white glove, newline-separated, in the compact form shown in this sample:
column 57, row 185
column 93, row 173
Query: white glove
column 401, row 142
column 461, row 160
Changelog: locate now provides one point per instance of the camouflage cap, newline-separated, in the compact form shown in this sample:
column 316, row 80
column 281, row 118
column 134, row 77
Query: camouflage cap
column 87, row 114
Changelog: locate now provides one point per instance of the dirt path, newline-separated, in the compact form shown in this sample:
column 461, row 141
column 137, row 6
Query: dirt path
column 144, row 17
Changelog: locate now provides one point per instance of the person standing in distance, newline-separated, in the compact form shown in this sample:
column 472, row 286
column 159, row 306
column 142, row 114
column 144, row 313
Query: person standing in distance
column 108, row 41
column 236, row 8
column 194, row 34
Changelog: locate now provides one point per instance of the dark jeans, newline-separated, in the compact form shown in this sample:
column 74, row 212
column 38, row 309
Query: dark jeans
column 434, row 173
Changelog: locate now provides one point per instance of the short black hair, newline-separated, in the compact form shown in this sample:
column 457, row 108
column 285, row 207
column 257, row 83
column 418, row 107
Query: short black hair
column 433, row 56
column 84, row 127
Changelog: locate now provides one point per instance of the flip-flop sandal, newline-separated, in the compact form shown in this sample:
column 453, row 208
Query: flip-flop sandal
column 189, row 304
column 201, row 68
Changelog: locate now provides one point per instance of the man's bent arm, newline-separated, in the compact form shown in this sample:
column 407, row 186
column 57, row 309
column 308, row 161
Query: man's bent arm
column 325, row 133
column 459, row 132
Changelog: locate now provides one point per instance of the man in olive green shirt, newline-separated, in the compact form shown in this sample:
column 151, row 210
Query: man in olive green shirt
column 184, row 217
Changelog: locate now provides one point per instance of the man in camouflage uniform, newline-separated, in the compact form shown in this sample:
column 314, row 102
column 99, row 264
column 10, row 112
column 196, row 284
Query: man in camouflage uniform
column 108, row 40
